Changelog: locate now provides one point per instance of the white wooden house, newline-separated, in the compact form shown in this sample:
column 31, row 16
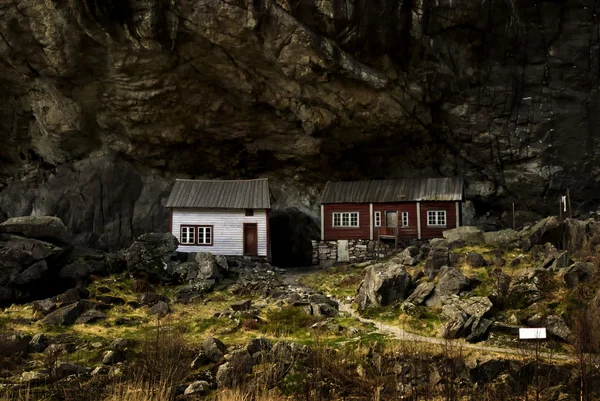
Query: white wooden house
column 221, row 217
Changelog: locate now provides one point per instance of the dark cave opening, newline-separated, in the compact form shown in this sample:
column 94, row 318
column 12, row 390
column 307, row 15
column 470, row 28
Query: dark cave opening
column 291, row 233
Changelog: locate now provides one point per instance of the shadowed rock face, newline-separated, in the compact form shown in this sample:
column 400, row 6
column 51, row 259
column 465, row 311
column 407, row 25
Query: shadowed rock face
column 503, row 93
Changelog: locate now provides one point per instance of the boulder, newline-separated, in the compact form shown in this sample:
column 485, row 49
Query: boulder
column 258, row 344
column 40, row 227
column 12, row 344
column 578, row 272
column 110, row 300
column 34, row 377
column 120, row 344
column 557, row 327
column 90, row 316
column 437, row 258
column 324, row 310
column 577, row 233
column 152, row 299
column 545, row 230
column 475, row 260
column 409, row 256
column 507, row 239
column 455, row 322
column 523, row 290
column 436, row 243
column 38, row 343
column 214, row 349
column 160, row 309
column 478, row 328
column 64, row 369
column 65, row 316
column 199, row 387
column 501, row 284
column 469, row 234
column 452, row 281
column 237, row 364
column 242, row 305
column 200, row 360
column 113, row 357
column 561, row 261
column 421, row 293
column 288, row 352
column 150, row 255
column 384, row 284
column 208, row 268
column 473, row 306
column 36, row 271
column 76, row 272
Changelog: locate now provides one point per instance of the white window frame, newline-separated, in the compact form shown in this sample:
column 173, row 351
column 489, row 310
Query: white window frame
column 404, row 219
column 345, row 217
column 436, row 218
column 377, row 219
column 204, row 230
column 188, row 230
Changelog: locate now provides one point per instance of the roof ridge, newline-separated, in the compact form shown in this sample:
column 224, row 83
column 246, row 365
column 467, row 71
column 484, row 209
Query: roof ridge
column 208, row 180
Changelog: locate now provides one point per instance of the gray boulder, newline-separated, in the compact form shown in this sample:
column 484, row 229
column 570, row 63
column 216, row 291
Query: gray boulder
column 437, row 243
column 12, row 344
column 557, row 327
column 507, row 239
column 113, row 357
column 452, row 281
column 288, row 352
column 421, row 293
column 242, row 305
column 543, row 231
column 258, row 344
column 65, row 316
column 64, row 369
column 473, row 306
column 152, row 299
column 38, row 343
column 384, row 284
column 576, row 233
column 578, row 272
column 561, row 261
column 409, row 256
column 151, row 254
column 36, row 271
column 199, row 387
column 478, row 328
column 208, row 268
column 464, row 317
column 90, row 316
column 41, row 227
column 437, row 258
column 237, row 364
column 501, row 284
column 475, row 260
column 160, row 309
column 214, row 349
column 469, row 234
column 524, row 289
column 34, row 377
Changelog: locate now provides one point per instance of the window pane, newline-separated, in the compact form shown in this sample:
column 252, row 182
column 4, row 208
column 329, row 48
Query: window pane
column 354, row 219
column 405, row 219
column 345, row 219
column 201, row 235
column 336, row 219
column 208, row 235
column 184, row 237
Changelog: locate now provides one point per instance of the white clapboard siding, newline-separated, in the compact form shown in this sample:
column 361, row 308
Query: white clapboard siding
column 228, row 229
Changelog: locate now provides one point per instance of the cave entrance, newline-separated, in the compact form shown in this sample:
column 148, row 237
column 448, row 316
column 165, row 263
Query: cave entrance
column 291, row 232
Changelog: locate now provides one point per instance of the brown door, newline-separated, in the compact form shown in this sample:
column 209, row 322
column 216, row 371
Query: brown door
column 250, row 239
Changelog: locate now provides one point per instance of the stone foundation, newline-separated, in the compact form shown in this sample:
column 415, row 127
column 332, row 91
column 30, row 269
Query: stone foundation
column 325, row 253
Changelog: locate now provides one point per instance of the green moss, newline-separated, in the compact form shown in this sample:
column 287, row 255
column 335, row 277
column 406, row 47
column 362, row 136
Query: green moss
column 341, row 281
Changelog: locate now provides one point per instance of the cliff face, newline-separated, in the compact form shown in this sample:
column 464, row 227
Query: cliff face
column 108, row 98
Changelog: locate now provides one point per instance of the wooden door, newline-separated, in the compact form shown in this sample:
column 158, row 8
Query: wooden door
column 391, row 219
column 250, row 239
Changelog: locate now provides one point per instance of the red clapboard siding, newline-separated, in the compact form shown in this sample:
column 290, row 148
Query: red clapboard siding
column 436, row 232
column 410, row 207
column 335, row 233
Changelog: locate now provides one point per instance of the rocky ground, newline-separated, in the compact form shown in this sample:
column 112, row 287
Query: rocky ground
column 120, row 322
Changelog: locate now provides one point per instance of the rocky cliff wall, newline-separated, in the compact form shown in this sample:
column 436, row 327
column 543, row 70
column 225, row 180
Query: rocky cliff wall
column 130, row 93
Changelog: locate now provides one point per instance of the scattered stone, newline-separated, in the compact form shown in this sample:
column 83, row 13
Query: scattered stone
column 561, row 261
column 214, row 349
column 90, row 316
column 65, row 316
column 151, row 299
column 383, row 285
column 524, row 290
column 437, row 258
column 475, row 260
column 100, row 370
column 110, row 300
column 103, row 290
column 409, row 256
column 242, row 305
column 44, row 306
column 34, row 377
column 479, row 328
column 578, row 272
column 57, row 349
column 40, row 227
column 421, row 293
column 199, row 387
column 543, row 231
column 288, row 352
column 200, row 361
column 436, row 243
column 113, row 357
column 507, row 239
column 469, row 234
column 557, row 327
column 38, row 343
column 160, row 309
column 64, row 369
column 452, row 281
column 120, row 345
column 13, row 344
column 237, row 364
column 151, row 254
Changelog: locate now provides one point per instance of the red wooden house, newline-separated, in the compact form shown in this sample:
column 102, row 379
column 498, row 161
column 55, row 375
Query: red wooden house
column 415, row 208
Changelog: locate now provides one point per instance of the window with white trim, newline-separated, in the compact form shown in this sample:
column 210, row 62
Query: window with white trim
column 188, row 235
column 404, row 219
column 204, row 235
column 436, row 218
column 345, row 219
column 377, row 219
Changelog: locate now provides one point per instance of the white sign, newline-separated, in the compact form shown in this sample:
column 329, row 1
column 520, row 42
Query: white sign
column 532, row 334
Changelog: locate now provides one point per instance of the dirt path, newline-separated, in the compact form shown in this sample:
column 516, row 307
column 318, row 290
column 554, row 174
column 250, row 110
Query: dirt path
column 292, row 279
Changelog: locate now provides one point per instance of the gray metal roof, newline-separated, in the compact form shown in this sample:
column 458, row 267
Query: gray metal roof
column 404, row 190
column 230, row 194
